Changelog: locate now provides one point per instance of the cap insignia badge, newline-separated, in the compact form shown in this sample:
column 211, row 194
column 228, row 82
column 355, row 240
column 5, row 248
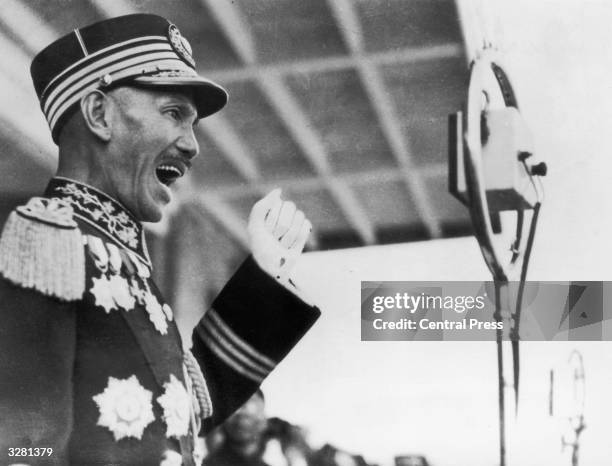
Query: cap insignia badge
column 180, row 45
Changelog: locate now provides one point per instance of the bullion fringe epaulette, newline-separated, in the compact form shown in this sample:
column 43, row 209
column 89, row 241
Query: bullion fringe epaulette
column 42, row 248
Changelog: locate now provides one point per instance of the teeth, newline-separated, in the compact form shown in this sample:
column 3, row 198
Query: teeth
column 170, row 168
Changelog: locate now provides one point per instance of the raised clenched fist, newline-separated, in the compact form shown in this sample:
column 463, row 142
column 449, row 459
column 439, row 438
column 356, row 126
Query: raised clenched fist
column 277, row 233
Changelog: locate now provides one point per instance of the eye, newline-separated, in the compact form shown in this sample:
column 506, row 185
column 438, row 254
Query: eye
column 174, row 113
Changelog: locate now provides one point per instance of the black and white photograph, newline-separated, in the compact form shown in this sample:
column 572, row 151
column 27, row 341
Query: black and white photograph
column 305, row 232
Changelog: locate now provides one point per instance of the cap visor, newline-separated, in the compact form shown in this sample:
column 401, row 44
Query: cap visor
column 209, row 96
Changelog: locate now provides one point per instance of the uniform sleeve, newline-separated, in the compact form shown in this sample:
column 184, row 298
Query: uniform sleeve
column 252, row 325
column 37, row 342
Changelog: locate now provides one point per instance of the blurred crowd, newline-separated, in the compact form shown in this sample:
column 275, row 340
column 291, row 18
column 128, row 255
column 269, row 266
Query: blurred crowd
column 249, row 438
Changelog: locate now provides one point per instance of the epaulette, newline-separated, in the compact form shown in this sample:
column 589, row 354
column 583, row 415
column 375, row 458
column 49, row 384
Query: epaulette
column 42, row 248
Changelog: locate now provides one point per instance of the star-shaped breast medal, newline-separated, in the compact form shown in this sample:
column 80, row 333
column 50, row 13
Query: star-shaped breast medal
column 121, row 292
column 172, row 458
column 176, row 403
column 101, row 290
column 125, row 407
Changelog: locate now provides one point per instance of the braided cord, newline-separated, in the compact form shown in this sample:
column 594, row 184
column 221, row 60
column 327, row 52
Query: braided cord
column 199, row 384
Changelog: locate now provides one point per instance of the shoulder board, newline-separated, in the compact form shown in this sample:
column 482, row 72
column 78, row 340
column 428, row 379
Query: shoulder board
column 42, row 248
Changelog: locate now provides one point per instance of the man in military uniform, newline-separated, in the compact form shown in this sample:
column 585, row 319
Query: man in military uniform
column 92, row 367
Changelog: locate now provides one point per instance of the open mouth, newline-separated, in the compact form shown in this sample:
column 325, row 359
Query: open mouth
column 168, row 173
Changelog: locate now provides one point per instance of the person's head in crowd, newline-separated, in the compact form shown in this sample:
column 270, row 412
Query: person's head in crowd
column 247, row 425
column 292, row 441
column 214, row 439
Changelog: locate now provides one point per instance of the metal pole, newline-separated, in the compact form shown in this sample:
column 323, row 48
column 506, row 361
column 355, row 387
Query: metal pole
column 502, row 411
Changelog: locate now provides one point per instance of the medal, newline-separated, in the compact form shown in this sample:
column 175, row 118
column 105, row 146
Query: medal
column 176, row 403
column 121, row 294
column 101, row 290
column 125, row 407
column 168, row 312
column 114, row 258
column 101, row 287
column 98, row 252
column 137, row 292
column 156, row 314
column 172, row 458
column 141, row 269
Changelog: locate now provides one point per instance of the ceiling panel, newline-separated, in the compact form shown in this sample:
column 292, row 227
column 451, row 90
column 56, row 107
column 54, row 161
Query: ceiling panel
column 272, row 147
column 388, row 204
column 321, row 209
column 211, row 168
column 448, row 209
column 389, row 24
column 78, row 13
column 292, row 29
column 429, row 140
column 433, row 88
column 342, row 115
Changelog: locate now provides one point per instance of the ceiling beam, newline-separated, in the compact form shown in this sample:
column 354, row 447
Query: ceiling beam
column 349, row 24
column 27, row 124
column 33, row 143
column 15, row 65
column 225, row 216
column 112, row 8
column 18, row 17
column 236, row 30
column 315, row 183
column 235, row 150
column 399, row 56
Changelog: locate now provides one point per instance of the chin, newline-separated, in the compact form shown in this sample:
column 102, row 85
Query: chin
column 152, row 216
column 151, row 209
column 150, row 212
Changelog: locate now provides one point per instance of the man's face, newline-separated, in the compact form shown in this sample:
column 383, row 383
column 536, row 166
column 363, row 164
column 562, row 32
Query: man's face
column 152, row 145
column 248, row 423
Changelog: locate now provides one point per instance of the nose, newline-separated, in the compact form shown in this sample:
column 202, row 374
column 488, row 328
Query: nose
column 187, row 143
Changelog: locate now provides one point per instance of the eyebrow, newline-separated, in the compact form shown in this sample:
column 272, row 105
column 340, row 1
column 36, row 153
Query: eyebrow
column 186, row 106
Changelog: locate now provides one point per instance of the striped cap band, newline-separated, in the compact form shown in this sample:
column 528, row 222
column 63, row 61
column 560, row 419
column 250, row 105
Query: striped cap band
column 118, row 50
column 136, row 60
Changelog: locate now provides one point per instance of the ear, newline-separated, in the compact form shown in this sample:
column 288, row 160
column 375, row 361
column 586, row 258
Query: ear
column 95, row 108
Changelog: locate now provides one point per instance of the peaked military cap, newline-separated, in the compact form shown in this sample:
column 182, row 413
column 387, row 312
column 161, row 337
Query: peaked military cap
column 141, row 49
